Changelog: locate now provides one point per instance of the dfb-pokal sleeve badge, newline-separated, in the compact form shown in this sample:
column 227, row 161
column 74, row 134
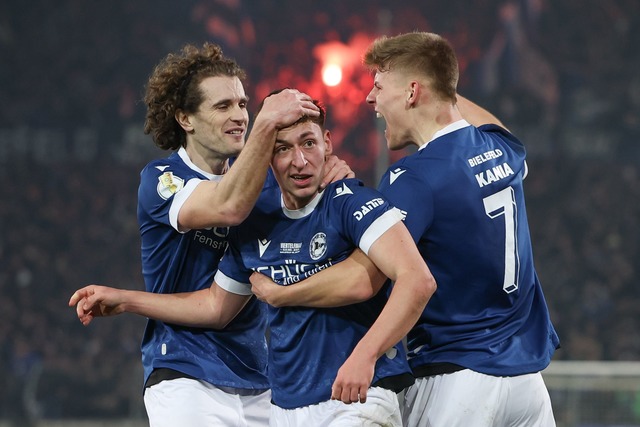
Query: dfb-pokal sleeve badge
column 169, row 184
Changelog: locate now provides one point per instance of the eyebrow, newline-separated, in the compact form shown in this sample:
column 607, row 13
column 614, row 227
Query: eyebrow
column 301, row 136
column 244, row 99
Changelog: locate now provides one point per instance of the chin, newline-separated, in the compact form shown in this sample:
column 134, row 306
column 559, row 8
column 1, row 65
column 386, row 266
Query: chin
column 235, row 149
column 395, row 146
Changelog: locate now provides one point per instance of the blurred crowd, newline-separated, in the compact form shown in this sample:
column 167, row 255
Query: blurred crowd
column 561, row 75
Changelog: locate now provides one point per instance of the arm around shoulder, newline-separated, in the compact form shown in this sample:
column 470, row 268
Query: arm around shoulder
column 353, row 280
column 475, row 114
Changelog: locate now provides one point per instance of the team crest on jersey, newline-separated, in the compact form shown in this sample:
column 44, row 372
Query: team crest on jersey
column 169, row 184
column 318, row 246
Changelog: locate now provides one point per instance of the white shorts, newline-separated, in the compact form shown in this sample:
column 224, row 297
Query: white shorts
column 470, row 399
column 193, row 403
column 380, row 410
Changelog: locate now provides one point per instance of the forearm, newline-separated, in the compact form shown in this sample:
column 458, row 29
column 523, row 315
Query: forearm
column 475, row 114
column 192, row 309
column 406, row 303
column 229, row 201
column 238, row 191
column 353, row 280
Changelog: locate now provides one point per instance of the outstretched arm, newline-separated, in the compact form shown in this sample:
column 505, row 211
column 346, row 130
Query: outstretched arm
column 353, row 280
column 207, row 308
column 396, row 254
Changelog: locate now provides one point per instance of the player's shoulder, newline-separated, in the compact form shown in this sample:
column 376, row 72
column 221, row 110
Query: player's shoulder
column 408, row 168
column 172, row 163
column 351, row 194
column 502, row 136
column 346, row 187
column 170, row 170
column 165, row 177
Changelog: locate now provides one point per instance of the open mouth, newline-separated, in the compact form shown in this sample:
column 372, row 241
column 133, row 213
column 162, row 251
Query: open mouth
column 299, row 177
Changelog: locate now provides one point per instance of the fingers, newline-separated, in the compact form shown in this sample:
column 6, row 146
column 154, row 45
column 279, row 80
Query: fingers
column 256, row 277
column 287, row 107
column 336, row 169
column 78, row 295
column 85, row 316
column 349, row 395
column 309, row 108
column 79, row 299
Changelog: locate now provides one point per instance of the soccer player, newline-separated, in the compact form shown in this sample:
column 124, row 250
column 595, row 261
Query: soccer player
column 479, row 346
column 197, row 108
column 294, row 232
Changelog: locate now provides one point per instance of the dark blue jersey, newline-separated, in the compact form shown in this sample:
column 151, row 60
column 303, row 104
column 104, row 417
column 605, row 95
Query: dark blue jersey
column 465, row 208
column 308, row 346
column 183, row 262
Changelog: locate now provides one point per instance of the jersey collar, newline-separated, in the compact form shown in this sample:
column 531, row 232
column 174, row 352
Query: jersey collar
column 185, row 158
column 447, row 129
column 304, row 211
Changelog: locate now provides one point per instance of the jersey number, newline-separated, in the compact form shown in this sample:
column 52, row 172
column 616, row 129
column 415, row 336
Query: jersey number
column 500, row 204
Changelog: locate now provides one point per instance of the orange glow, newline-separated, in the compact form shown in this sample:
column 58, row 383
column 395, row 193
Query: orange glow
column 331, row 74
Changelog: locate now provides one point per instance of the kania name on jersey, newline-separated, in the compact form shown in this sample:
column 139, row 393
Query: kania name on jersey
column 494, row 174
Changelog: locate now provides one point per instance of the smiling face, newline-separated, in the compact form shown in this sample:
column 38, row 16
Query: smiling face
column 298, row 162
column 219, row 126
column 389, row 98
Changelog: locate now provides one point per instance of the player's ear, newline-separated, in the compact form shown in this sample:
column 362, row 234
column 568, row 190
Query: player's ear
column 328, row 145
column 183, row 120
column 413, row 93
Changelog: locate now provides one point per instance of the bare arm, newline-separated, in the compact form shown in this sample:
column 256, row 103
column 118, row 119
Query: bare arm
column 207, row 308
column 475, row 114
column 229, row 201
column 355, row 279
column 397, row 256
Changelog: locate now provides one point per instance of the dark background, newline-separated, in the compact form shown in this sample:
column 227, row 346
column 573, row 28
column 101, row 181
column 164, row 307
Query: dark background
column 563, row 76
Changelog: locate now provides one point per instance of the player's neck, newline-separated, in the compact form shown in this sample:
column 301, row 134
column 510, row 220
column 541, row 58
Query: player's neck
column 217, row 165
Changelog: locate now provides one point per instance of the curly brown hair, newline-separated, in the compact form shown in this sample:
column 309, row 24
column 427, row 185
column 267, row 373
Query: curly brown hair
column 175, row 84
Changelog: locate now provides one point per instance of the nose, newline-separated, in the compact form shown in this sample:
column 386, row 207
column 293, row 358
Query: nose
column 371, row 99
column 298, row 158
column 239, row 114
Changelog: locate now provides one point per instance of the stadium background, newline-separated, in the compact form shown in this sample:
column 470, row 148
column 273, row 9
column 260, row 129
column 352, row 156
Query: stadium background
column 563, row 76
